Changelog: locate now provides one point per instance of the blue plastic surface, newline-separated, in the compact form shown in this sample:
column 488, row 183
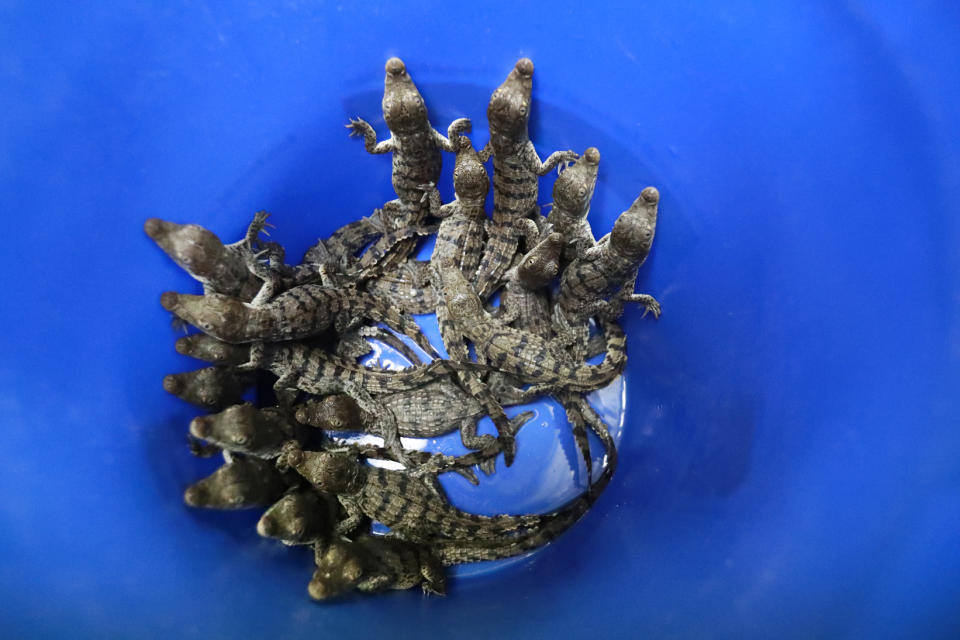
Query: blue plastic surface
column 790, row 464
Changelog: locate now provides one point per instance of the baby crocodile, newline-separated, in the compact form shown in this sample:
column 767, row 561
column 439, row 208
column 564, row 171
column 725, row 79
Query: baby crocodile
column 243, row 428
column 525, row 300
column 602, row 280
column 241, row 483
column 572, row 193
column 416, row 148
column 298, row 313
column 410, row 507
column 210, row 387
column 524, row 354
column 303, row 516
column 458, row 247
column 433, row 410
column 460, row 238
column 219, row 268
column 516, row 171
column 525, row 304
column 316, row 371
column 320, row 372
column 374, row 563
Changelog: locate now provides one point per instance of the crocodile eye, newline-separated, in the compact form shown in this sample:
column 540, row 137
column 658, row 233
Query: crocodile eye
column 582, row 191
column 241, row 439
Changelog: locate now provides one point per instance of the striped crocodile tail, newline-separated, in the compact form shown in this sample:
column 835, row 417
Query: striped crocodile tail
column 399, row 321
column 551, row 526
column 497, row 258
column 591, row 377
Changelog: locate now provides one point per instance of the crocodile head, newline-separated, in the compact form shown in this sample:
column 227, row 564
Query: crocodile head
column 573, row 190
column 332, row 472
column 632, row 233
column 462, row 301
column 296, row 518
column 204, row 347
column 196, row 250
column 470, row 179
column 238, row 484
column 239, row 428
column 541, row 264
column 403, row 108
column 509, row 109
column 223, row 317
column 339, row 569
column 337, row 412
column 204, row 387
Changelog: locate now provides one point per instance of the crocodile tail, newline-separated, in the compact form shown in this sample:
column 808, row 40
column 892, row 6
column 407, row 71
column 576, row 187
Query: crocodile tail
column 578, row 405
column 579, row 427
column 602, row 431
column 390, row 250
column 396, row 246
column 451, row 552
column 403, row 294
column 591, row 377
column 393, row 317
column 344, row 243
column 452, row 340
column 497, row 258
column 551, row 525
column 470, row 526
column 390, row 339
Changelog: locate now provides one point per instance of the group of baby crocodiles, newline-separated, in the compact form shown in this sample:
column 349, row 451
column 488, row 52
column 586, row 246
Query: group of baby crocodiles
column 308, row 325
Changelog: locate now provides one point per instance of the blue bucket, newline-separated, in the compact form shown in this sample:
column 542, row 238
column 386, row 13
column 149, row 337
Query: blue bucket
column 790, row 451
